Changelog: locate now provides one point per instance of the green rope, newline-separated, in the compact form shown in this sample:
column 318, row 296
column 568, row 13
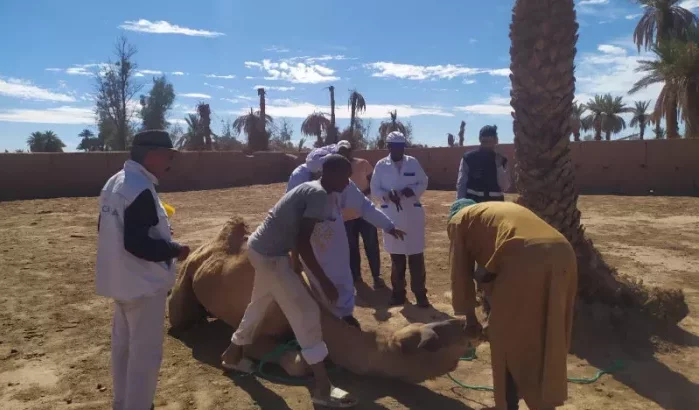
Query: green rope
column 616, row 366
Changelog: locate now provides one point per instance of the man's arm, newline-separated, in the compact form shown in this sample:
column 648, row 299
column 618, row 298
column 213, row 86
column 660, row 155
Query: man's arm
column 305, row 250
column 139, row 217
column 354, row 199
column 462, row 180
column 296, row 179
column 463, row 289
column 503, row 177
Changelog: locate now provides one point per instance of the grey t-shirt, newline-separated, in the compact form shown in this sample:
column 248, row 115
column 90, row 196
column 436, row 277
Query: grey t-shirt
column 280, row 230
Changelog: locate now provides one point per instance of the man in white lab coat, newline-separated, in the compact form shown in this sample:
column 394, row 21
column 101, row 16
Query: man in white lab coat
column 398, row 182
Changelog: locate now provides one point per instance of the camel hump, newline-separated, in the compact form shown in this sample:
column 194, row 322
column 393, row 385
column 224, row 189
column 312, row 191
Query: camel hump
column 233, row 234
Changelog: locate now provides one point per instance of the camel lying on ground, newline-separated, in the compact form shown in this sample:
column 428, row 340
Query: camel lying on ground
column 217, row 278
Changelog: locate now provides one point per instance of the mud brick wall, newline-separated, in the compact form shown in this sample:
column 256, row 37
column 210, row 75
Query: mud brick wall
column 663, row 167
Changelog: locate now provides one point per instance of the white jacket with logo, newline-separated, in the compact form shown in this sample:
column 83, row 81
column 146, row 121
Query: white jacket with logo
column 121, row 275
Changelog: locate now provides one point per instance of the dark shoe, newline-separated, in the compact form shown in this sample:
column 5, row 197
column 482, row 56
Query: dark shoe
column 423, row 303
column 352, row 321
column 379, row 283
column 358, row 281
column 396, row 300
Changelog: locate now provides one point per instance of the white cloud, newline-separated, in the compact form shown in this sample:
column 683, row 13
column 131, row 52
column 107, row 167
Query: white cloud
column 246, row 98
column 419, row 72
column 249, row 77
column 273, row 88
column 219, row 87
column 231, row 100
column 609, row 49
column 592, row 2
column 472, row 40
column 177, row 73
column 81, row 69
column 163, row 27
column 295, row 73
column 17, row 88
column 194, row 95
column 612, row 72
column 690, row 4
column 469, row 82
column 149, row 72
column 54, row 69
column 277, row 49
column 486, row 109
column 495, row 105
column 633, row 16
column 295, row 109
column 224, row 77
column 502, row 72
column 60, row 115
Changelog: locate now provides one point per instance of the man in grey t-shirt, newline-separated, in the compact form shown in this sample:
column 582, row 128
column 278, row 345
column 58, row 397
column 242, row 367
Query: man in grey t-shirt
column 289, row 225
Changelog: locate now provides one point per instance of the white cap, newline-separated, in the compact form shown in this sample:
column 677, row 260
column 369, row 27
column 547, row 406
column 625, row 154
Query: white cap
column 315, row 158
column 344, row 144
column 396, row 137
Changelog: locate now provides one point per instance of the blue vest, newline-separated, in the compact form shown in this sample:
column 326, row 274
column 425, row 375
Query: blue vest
column 482, row 172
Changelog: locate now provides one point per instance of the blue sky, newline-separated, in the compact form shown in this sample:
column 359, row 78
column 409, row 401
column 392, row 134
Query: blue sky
column 436, row 64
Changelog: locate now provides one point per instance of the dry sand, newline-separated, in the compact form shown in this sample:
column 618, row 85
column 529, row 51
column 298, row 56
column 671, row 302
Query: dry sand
column 55, row 333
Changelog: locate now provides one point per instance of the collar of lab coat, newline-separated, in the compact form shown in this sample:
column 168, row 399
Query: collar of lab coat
column 134, row 166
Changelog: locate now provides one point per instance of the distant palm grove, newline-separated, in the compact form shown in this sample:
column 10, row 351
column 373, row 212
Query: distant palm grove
column 665, row 28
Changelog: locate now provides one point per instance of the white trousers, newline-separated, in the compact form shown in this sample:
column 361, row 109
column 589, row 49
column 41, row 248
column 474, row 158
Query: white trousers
column 137, row 350
column 276, row 281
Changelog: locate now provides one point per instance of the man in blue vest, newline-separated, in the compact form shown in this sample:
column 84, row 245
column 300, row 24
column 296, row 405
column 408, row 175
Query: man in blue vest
column 483, row 172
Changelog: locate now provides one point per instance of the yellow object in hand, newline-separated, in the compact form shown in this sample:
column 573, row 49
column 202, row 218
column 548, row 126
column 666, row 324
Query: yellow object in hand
column 169, row 210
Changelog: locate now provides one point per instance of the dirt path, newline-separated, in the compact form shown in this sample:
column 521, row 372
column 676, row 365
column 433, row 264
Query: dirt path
column 55, row 333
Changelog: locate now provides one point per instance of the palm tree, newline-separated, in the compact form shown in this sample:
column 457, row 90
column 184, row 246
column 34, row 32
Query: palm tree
column 191, row 139
column 641, row 117
column 204, row 112
column 543, row 89
column 664, row 20
column 46, row 141
column 450, row 139
column 677, row 67
column 613, row 123
column 357, row 104
column 595, row 119
column 331, row 133
column 576, row 120
column 250, row 125
column 314, row 125
column 462, row 130
column 388, row 127
column 263, row 112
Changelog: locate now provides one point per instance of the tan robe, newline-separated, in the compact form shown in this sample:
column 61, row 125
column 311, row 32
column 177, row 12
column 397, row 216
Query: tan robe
column 533, row 295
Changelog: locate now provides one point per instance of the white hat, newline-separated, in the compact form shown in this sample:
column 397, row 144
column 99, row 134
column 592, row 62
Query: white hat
column 396, row 137
column 344, row 144
column 315, row 158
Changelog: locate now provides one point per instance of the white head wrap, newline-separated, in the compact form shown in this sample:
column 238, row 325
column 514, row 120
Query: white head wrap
column 344, row 144
column 396, row 137
column 315, row 158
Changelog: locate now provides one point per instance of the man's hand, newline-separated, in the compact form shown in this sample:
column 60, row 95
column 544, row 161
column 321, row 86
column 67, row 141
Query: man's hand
column 184, row 253
column 330, row 291
column 407, row 192
column 395, row 198
column 396, row 233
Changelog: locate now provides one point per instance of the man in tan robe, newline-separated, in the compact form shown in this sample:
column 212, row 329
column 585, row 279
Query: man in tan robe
column 534, row 281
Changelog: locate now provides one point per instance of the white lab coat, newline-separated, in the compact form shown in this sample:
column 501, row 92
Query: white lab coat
column 387, row 176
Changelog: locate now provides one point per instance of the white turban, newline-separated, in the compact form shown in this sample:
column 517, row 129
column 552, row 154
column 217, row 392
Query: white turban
column 344, row 144
column 315, row 158
column 395, row 137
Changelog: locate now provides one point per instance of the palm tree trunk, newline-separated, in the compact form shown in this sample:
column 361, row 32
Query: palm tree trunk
column 608, row 135
column 352, row 114
column 598, row 134
column 262, row 124
column 643, row 130
column 671, row 119
column 331, row 134
column 576, row 136
column 543, row 87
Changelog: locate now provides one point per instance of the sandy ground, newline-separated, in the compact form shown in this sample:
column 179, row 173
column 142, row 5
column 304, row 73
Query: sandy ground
column 55, row 333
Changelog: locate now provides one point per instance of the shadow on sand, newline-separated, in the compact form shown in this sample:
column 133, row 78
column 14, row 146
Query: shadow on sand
column 636, row 341
column 208, row 339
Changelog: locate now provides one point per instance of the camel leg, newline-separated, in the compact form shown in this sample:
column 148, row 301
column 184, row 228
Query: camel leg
column 291, row 361
column 183, row 307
